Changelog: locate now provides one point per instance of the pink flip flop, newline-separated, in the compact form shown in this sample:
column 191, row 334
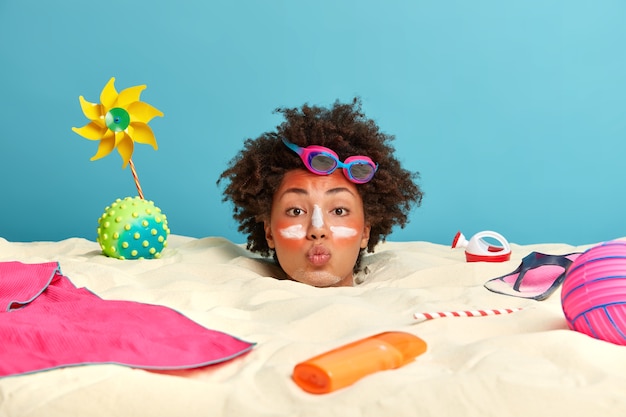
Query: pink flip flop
column 537, row 277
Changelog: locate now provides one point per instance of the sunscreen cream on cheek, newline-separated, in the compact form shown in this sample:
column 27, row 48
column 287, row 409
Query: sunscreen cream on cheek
column 342, row 231
column 293, row 232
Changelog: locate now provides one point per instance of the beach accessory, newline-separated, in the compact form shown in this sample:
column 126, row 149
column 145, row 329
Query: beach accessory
column 118, row 121
column 593, row 296
column 323, row 161
column 47, row 322
column 464, row 313
column 132, row 228
column 478, row 248
column 347, row 364
column 537, row 277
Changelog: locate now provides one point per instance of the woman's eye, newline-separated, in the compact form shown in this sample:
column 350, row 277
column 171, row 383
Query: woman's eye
column 340, row 211
column 295, row 212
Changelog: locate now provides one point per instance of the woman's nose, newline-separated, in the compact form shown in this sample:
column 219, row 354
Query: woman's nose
column 317, row 226
column 316, row 235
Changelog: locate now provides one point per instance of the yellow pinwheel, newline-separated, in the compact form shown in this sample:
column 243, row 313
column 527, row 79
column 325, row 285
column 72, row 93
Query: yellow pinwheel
column 118, row 121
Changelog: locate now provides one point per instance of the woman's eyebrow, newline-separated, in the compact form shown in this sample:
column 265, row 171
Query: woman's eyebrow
column 339, row 190
column 294, row 190
column 302, row 191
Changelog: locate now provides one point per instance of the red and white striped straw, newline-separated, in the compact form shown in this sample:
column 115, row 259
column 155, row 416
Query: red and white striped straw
column 136, row 178
column 465, row 313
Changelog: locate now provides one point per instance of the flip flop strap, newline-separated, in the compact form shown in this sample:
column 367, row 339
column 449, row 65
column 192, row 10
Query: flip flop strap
column 540, row 259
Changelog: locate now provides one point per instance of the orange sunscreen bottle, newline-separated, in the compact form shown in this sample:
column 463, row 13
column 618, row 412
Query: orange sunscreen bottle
column 345, row 365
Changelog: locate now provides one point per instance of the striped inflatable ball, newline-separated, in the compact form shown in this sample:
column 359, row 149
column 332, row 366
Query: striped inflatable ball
column 593, row 296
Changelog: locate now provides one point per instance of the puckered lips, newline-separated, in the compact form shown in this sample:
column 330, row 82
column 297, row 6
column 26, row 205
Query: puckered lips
column 318, row 255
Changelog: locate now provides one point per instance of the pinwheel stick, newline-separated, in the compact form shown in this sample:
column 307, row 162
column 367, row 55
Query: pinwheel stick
column 136, row 178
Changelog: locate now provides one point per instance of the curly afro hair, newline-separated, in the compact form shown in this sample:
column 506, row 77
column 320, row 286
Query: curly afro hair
column 257, row 170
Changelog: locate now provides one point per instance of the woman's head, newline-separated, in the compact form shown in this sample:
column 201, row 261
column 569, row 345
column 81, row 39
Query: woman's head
column 266, row 164
column 317, row 227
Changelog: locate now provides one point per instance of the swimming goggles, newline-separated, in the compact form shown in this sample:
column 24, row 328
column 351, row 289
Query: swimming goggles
column 323, row 161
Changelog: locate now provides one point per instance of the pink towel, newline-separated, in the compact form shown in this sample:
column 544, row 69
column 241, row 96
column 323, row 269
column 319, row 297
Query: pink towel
column 46, row 322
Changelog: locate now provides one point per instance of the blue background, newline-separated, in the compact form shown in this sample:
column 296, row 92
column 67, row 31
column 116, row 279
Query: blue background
column 512, row 111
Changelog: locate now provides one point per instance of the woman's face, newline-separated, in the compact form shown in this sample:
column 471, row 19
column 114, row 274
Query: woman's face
column 317, row 227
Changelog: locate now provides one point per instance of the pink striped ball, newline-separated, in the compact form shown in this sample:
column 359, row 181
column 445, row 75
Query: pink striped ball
column 593, row 296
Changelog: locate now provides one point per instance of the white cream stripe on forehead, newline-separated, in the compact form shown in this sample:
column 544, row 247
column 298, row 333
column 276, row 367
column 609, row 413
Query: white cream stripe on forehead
column 317, row 220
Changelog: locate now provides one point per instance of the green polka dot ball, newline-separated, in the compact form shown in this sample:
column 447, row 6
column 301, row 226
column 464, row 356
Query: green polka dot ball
column 132, row 228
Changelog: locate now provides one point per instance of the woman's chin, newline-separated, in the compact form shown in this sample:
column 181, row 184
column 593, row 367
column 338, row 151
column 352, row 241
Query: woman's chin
column 322, row 279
